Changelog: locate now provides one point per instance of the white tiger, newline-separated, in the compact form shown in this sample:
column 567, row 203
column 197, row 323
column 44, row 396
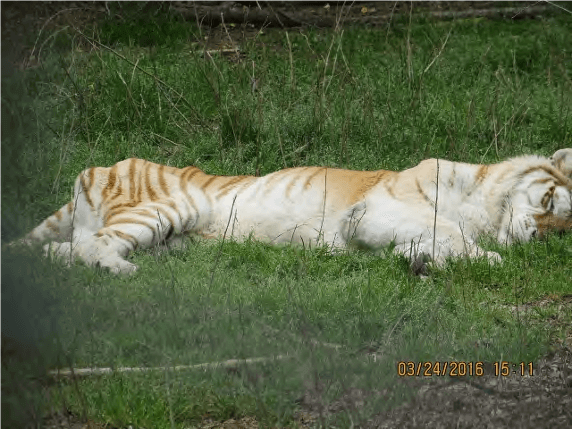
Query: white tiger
column 138, row 204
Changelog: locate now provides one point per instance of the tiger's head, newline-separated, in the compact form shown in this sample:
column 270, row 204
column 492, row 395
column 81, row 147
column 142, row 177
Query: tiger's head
column 541, row 198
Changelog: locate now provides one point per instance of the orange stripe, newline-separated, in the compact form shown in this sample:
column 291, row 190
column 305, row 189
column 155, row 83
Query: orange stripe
column 117, row 210
column 120, row 205
column 92, row 176
column 135, row 222
column 142, row 211
column 85, row 189
column 190, row 172
column 367, row 181
column 152, row 213
column 127, row 237
column 171, row 204
column 228, row 186
column 187, row 174
column 558, row 177
column 481, row 173
column 232, row 180
column 208, row 182
column 119, row 191
column 378, row 178
column 388, row 186
column 546, row 198
column 139, row 184
column 110, row 233
column 544, row 180
column 52, row 226
column 291, row 184
column 111, row 179
column 150, row 191
column 279, row 175
column 162, row 181
column 420, row 190
column 132, row 178
column 309, row 179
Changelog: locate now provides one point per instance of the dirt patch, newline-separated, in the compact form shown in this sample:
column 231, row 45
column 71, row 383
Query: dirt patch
column 543, row 400
column 538, row 401
column 338, row 14
column 25, row 24
column 554, row 309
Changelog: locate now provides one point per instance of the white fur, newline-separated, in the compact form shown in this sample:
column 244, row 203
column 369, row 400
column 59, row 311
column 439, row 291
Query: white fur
column 279, row 208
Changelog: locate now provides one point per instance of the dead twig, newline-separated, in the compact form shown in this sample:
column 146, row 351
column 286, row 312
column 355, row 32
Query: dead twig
column 231, row 363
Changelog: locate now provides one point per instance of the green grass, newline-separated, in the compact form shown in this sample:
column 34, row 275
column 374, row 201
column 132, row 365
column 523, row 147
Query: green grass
column 363, row 99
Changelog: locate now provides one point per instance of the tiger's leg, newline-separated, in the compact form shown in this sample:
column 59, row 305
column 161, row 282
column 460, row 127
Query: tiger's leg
column 447, row 244
column 78, row 221
column 450, row 241
column 105, row 249
column 412, row 235
column 75, row 220
column 57, row 227
column 140, row 227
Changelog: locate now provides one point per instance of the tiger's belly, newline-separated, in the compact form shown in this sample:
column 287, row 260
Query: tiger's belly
column 306, row 221
column 374, row 222
column 271, row 225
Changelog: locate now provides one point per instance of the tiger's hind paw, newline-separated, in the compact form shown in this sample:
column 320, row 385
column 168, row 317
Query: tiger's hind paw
column 67, row 254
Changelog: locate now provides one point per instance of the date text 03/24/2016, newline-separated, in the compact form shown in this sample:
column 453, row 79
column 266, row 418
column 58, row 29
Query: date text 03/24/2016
column 462, row 369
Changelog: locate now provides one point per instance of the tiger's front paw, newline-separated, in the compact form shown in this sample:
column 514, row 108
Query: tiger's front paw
column 476, row 252
column 118, row 265
column 125, row 268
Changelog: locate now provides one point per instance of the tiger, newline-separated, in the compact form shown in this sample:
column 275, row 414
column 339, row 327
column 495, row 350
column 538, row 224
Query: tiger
column 435, row 210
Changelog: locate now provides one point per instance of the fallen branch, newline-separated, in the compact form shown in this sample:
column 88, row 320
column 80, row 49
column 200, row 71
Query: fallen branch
column 231, row 363
column 231, row 12
column 236, row 13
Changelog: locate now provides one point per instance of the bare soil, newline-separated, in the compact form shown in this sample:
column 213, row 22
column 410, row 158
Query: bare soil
column 543, row 400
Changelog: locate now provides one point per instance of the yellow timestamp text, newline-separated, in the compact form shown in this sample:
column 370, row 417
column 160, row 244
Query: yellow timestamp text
column 462, row 369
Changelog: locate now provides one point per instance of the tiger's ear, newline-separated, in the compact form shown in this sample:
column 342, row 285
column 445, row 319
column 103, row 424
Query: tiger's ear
column 562, row 160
